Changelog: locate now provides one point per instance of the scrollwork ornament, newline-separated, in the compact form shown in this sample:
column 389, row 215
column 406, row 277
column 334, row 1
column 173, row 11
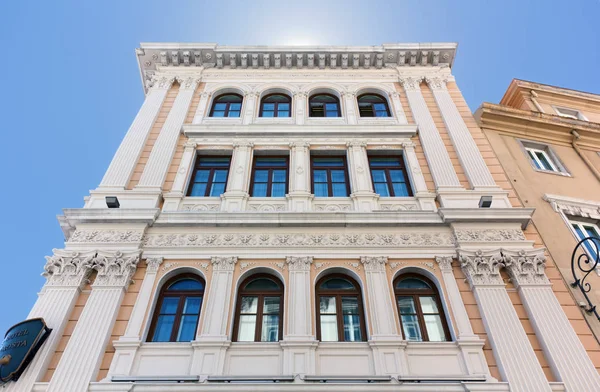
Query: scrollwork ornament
column 411, row 83
column 436, row 83
column 583, row 264
column 526, row 267
column 445, row 262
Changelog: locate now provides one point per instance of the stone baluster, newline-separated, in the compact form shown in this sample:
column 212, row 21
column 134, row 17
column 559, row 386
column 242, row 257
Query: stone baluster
column 236, row 194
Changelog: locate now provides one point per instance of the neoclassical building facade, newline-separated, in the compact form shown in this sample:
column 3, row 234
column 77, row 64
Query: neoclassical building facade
column 316, row 218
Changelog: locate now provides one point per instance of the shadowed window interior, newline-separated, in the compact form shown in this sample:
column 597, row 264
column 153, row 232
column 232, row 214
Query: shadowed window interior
column 389, row 176
column 585, row 230
column 421, row 314
column 227, row 105
column 340, row 316
column 210, row 176
column 329, row 176
column 324, row 105
column 178, row 310
column 269, row 177
column 259, row 314
column 275, row 105
column 373, row 105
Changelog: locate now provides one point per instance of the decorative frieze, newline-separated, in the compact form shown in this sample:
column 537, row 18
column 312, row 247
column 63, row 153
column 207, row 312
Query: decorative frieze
column 489, row 235
column 299, row 239
column 482, row 268
column 298, row 263
column 115, row 269
column 105, row 236
column 526, row 267
column 374, row 263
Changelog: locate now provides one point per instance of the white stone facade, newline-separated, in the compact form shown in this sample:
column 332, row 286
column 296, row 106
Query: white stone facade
column 300, row 238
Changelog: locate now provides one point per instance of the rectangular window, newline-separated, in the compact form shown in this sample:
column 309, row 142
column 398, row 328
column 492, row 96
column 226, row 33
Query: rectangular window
column 210, row 176
column 542, row 157
column 269, row 177
column 584, row 230
column 329, row 176
column 569, row 113
column 389, row 176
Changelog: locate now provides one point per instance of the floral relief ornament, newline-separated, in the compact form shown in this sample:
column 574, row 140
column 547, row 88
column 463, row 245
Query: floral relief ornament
column 299, row 263
column 482, row 268
column 526, row 267
column 374, row 263
column 115, row 268
column 65, row 268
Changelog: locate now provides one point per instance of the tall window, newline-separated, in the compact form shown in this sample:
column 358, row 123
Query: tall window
column 324, row 105
column 339, row 310
column 210, row 176
column 178, row 310
column 269, row 177
column 421, row 315
column 373, row 105
column 227, row 105
column 259, row 315
column 329, row 176
column 275, row 105
column 584, row 230
column 389, row 176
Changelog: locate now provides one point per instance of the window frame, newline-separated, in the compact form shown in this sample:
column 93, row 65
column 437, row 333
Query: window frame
column 276, row 109
column 385, row 101
column 181, row 294
column 338, row 294
column 329, row 182
column 212, row 108
column 339, row 105
column 270, row 169
column 581, row 225
column 197, row 167
column 538, row 164
column 261, row 294
column 415, row 294
column 528, row 146
column 577, row 116
column 388, row 176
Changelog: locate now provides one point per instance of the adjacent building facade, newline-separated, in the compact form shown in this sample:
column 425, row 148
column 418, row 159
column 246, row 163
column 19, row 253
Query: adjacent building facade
column 547, row 139
column 325, row 218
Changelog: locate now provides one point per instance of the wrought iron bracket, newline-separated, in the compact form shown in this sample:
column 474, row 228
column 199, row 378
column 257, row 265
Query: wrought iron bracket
column 583, row 264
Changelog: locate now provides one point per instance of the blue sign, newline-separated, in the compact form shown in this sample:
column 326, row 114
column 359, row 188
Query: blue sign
column 20, row 344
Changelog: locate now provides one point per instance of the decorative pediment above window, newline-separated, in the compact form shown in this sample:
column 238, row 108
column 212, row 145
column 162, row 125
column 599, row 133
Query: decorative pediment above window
column 573, row 206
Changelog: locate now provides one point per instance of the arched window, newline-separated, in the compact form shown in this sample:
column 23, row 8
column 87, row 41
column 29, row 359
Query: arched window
column 373, row 105
column 275, row 105
column 421, row 313
column 178, row 310
column 227, row 105
column 339, row 310
column 259, row 314
column 324, row 105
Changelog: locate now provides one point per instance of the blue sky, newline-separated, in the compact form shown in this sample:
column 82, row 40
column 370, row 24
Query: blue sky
column 71, row 86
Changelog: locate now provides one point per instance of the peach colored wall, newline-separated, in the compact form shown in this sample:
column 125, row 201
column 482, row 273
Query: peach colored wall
column 591, row 110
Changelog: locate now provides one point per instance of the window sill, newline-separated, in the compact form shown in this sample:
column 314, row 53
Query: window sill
column 222, row 120
column 562, row 174
column 274, row 120
column 377, row 120
column 325, row 120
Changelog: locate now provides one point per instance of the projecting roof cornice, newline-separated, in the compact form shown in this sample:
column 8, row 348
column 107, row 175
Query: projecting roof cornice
column 154, row 56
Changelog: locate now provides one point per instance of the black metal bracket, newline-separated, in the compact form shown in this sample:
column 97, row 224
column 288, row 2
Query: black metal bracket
column 585, row 265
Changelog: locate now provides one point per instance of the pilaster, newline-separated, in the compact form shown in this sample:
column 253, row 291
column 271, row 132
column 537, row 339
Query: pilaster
column 350, row 106
column 562, row 347
column 249, row 107
column 397, row 104
column 365, row 199
column 184, row 172
column 123, row 163
column 66, row 272
column 202, row 109
column 300, row 196
column 236, row 194
column 469, row 155
column 424, row 197
column 86, row 346
column 381, row 309
column 514, row 355
column 301, row 105
column 162, row 153
column 437, row 156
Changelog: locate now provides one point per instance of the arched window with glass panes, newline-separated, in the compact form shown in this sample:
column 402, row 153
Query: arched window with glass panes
column 324, row 105
column 177, row 310
column 275, row 105
column 227, row 105
column 373, row 105
column 420, row 310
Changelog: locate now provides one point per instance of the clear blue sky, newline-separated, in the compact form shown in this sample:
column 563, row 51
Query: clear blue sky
column 71, row 86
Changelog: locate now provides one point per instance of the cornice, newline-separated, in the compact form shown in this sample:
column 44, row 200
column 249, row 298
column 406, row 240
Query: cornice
column 518, row 85
column 74, row 216
column 487, row 215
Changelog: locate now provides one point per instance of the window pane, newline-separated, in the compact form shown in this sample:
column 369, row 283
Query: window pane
column 320, row 175
column 428, row 305
column 246, row 329
column 321, row 190
column 352, row 328
column 235, row 106
column 249, row 305
column 378, row 175
column 535, row 162
column 283, row 106
column 329, row 331
column 234, row 114
column 349, row 305
column 270, row 162
column 217, row 189
column 328, row 162
column 187, row 328
column 337, row 284
column 198, row 189
column 271, row 305
column 218, row 113
column 278, row 190
column 338, row 176
column 259, row 190
column 220, row 106
column 400, row 189
column 192, row 305
column 327, row 305
column 331, row 113
column 382, row 113
column 579, row 232
column 270, row 328
column 201, row 176
column 412, row 283
column 186, row 284
column 266, row 113
column 542, row 157
column 410, row 325
column 169, row 305
column 220, row 175
column 379, row 106
column 279, row 175
column 340, row 190
column 365, row 110
column 164, row 327
column 382, row 189
column 261, row 175
column 383, row 161
column 406, row 305
column 262, row 284
column 269, row 106
column 283, row 113
column 435, row 329
column 214, row 161
column 397, row 175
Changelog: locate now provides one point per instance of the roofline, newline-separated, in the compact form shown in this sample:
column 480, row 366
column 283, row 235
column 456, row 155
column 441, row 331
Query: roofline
column 516, row 84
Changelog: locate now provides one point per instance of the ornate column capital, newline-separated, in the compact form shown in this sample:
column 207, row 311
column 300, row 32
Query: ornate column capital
column 300, row 95
column 444, row 262
column 223, row 263
column 251, row 95
column 526, row 267
column 188, row 83
column 356, row 144
column 374, row 263
column 408, row 145
column 65, row 268
column 299, row 263
column 482, row 268
column 348, row 94
column 115, row 269
column 160, row 82
column 436, row 83
column 243, row 144
column 190, row 145
column 153, row 263
column 411, row 83
column 302, row 144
